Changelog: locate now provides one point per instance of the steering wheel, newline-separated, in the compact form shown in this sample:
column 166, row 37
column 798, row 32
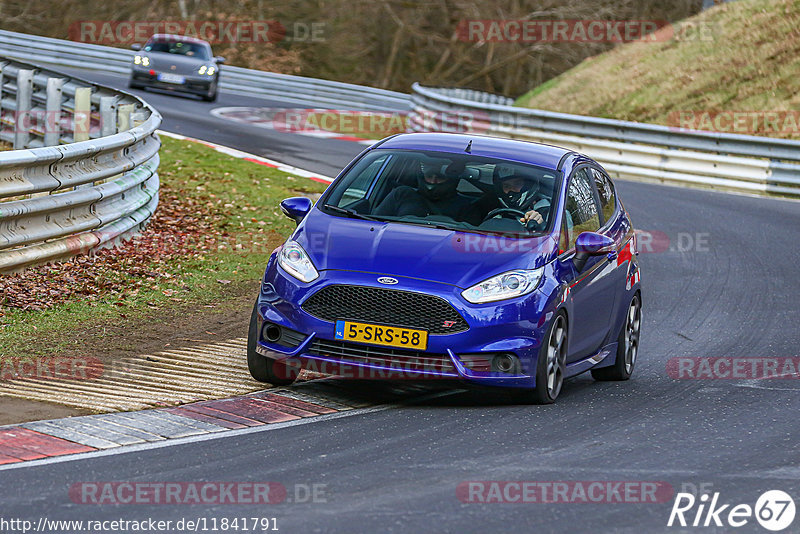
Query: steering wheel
column 504, row 212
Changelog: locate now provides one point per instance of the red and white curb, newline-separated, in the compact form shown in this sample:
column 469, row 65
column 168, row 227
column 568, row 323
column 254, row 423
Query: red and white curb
column 239, row 154
column 43, row 440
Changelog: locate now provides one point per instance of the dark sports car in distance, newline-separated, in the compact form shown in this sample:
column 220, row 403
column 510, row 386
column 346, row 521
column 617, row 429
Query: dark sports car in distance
column 176, row 63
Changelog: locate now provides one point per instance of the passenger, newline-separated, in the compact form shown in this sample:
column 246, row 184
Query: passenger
column 435, row 195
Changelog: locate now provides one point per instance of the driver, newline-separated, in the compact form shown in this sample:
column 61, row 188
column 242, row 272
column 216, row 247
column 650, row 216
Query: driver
column 435, row 195
column 515, row 192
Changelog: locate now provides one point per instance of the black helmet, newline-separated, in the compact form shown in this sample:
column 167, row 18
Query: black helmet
column 522, row 200
column 438, row 191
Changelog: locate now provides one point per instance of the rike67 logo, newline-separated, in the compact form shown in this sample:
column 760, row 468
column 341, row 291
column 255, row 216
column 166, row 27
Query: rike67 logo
column 774, row 510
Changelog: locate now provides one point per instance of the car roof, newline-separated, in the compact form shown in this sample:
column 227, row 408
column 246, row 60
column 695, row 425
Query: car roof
column 494, row 147
column 177, row 38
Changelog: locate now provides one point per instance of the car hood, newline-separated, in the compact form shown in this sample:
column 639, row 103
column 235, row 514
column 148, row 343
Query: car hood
column 163, row 62
column 452, row 257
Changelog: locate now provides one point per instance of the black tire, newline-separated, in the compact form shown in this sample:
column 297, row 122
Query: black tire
column 211, row 96
column 627, row 345
column 266, row 369
column 135, row 85
column 550, row 364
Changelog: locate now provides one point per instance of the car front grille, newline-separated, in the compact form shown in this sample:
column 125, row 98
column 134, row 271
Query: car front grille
column 395, row 359
column 386, row 306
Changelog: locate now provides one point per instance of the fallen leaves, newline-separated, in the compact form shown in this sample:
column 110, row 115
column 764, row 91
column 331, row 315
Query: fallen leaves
column 181, row 229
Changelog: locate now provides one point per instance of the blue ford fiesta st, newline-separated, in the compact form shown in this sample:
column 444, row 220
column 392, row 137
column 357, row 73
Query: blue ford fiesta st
column 489, row 261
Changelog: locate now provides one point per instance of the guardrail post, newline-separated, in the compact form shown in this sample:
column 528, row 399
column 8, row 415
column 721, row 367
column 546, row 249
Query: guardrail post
column 108, row 115
column 82, row 119
column 82, row 114
column 52, row 122
column 124, row 117
column 22, row 117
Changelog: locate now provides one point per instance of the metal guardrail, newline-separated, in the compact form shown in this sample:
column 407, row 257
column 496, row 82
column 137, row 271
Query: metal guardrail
column 296, row 89
column 632, row 150
column 82, row 172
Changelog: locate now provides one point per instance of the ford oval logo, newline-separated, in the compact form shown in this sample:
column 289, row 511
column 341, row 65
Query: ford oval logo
column 388, row 280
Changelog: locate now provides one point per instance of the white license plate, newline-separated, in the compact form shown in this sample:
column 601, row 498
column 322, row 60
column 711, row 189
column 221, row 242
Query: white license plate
column 170, row 78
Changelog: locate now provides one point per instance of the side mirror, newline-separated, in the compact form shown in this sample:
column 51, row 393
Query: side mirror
column 136, row 46
column 296, row 208
column 219, row 59
column 592, row 244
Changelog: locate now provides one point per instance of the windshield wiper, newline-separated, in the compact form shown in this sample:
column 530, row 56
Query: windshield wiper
column 350, row 213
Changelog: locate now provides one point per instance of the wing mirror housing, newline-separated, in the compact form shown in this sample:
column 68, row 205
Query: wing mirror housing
column 136, row 46
column 296, row 208
column 593, row 244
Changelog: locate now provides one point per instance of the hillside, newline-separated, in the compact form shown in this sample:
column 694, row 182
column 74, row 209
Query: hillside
column 742, row 56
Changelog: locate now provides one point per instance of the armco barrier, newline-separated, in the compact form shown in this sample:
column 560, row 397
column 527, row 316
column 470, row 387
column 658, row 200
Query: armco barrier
column 284, row 87
column 632, row 150
column 82, row 172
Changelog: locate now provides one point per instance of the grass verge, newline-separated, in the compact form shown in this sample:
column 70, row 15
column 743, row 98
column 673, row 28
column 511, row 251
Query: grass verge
column 198, row 262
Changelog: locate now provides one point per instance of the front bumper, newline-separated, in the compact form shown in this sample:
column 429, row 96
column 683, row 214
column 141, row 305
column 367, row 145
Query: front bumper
column 516, row 326
column 193, row 83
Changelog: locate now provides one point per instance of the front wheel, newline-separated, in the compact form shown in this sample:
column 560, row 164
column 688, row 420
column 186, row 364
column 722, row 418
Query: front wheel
column 211, row 95
column 627, row 346
column 266, row 369
column 551, row 364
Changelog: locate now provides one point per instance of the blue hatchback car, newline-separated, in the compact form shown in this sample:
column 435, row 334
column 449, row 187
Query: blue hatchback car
column 490, row 261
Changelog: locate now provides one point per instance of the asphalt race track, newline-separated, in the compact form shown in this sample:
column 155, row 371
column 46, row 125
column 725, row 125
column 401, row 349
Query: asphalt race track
column 189, row 115
column 725, row 286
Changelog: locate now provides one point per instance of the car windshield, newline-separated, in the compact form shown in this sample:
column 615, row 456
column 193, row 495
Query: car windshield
column 453, row 191
column 180, row 48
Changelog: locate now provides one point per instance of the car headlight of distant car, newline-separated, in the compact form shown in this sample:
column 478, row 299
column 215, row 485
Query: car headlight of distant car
column 504, row 286
column 296, row 262
column 209, row 70
column 141, row 60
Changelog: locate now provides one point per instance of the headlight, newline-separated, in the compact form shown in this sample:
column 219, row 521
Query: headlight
column 141, row 60
column 296, row 262
column 206, row 70
column 504, row 286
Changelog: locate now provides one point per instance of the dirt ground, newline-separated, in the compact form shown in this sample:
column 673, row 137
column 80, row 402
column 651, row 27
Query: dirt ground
column 178, row 327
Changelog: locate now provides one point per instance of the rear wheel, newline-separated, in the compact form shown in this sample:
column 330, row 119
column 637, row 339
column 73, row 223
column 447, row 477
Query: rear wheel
column 551, row 365
column 627, row 345
column 266, row 369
